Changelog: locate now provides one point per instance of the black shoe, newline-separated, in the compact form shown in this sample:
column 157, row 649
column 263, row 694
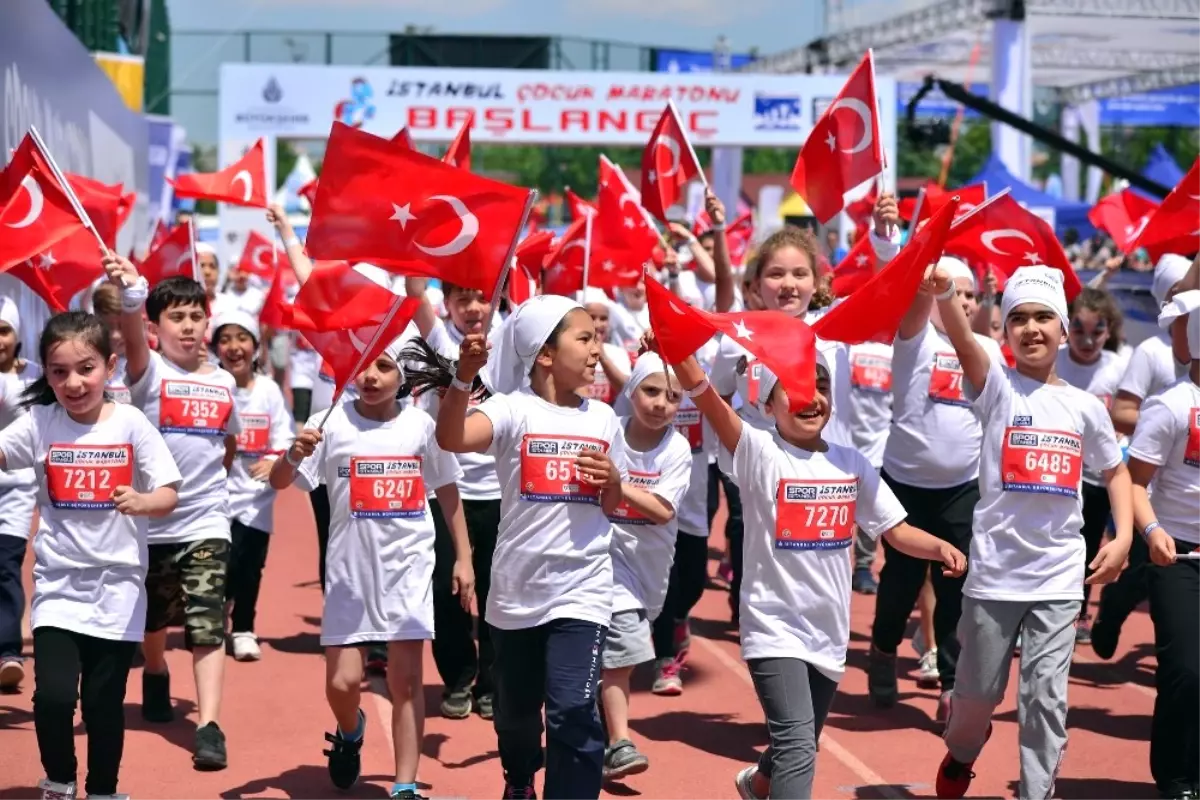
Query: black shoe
column 210, row 748
column 345, row 761
column 483, row 704
column 518, row 790
column 881, row 678
column 156, row 697
column 456, row 705
column 1104, row 638
column 407, row 794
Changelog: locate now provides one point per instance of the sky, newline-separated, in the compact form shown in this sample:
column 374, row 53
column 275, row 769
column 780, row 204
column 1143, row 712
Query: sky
column 206, row 33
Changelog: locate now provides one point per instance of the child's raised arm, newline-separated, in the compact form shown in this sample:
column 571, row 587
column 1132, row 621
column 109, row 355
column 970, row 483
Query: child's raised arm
column 125, row 277
column 724, row 420
column 456, row 432
column 971, row 356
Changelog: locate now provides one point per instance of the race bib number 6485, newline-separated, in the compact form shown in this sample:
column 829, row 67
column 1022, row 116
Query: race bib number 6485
column 1041, row 462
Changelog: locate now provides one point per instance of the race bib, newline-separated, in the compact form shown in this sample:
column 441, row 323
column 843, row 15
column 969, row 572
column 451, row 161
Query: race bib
column 626, row 515
column 753, row 379
column 84, row 476
column 548, row 472
column 119, row 393
column 199, row 408
column 871, row 373
column 689, row 423
column 386, row 487
column 946, row 381
column 815, row 514
column 255, row 438
column 600, row 389
column 1191, row 453
column 1042, row 462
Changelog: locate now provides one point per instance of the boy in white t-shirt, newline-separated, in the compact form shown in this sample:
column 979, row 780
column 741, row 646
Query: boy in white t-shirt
column 1027, row 559
column 191, row 401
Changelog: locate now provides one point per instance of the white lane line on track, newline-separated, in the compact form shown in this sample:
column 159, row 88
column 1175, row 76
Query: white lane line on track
column 869, row 777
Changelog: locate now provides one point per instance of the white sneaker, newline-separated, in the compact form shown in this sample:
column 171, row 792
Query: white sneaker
column 57, row 791
column 245, row 647
column 927, row 672
column 108, row 797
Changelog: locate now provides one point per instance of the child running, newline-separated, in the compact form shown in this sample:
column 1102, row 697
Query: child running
column 802, row 498
column 560, row 461
column 266, row 432
column 643, row 545
column 1027, row 554
column 100, row 466
column 378, row 463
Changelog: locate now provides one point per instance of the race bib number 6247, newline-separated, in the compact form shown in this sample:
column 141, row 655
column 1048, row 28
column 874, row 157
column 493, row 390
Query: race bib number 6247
column 387, row 487
column 84, row 476
column 548, row 473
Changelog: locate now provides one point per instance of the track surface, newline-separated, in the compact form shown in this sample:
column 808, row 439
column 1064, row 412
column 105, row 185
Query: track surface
column 274, row 715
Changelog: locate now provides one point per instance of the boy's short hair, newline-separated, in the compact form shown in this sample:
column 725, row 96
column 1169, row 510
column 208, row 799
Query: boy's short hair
column 106, row 300
column 172, row 292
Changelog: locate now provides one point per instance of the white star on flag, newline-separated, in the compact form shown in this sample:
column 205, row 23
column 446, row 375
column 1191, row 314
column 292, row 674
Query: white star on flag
column 1033, row 258
column 402, row 214
column 831, row 140
column 652, row 177
column 608, row 265
column 741, row 331
column 629, row 222
column 46, row 260
column 861, row 260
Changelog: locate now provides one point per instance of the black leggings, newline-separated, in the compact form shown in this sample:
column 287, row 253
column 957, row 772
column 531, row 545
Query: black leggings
column 1096, row 510
column 301, row 404
column 69, row 666
column 689, row 574
column 734, row 528
column 247, row 557
column 319, row 497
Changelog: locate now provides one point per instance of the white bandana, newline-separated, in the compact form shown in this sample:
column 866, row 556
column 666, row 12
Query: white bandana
column 646, row 365
column 1185, row 303
column 1040, row 285
column 520, row 339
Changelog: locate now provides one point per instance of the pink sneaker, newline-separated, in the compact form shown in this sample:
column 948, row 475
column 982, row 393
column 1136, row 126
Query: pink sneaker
column 682, row 641
column 667, row 680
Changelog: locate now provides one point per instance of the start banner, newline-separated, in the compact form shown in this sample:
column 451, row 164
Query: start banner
column 530, row 106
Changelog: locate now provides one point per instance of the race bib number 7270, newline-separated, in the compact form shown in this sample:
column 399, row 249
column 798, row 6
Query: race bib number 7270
column 815, row 514
column 84, row 476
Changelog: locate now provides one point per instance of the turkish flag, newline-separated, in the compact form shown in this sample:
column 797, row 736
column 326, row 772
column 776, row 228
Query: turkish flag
column 35, row 212
column 412, row 214
column 161, row 232
column 258, row 256
column 932, row 198
column 622, row 216
column 874, row 312
column 1003, row 234
column 579, row 207
column 668, row 163
column 844, row 149
column 611, row 263
column 276, row 310
column 737, row 235
column 403, row 137
column 348, row 318
column 106, row 206
column 785, row 344
column 459, row 153
column 1174, row 227
column 242, row 183
column 309, row 191
column 525, row 275
column 855, row 269
column 64, row 270
column 1122, row 215
column 173, row 258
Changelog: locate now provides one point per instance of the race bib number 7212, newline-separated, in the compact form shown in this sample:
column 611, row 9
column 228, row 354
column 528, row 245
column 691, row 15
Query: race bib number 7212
column 548, row 473
column 84, row 476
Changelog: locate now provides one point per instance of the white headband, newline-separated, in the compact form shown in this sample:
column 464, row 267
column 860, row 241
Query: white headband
column 1169, row 271
column 520, row 339
column 956, row 268
column 767, row 379
column 593, row 295
column 236, row 317
column 646, row 365
column 10, row 314
column 1040, row 285
column 1184, row 303
column 205, row 249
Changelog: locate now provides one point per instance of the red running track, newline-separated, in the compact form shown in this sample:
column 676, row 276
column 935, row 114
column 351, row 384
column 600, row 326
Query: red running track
column 274, row 715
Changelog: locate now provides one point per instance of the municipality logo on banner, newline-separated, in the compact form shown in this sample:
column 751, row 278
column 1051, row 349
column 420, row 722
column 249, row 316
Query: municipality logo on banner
column 775, row 113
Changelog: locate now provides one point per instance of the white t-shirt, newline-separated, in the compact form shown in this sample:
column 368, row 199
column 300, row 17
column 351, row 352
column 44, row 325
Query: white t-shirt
column 90, row 562
column 800, row 509
column 251, row 301
column 869, row 415
column 379, row 564
column 1026, row 542
column 626, row 327
column 266, row 432
column 117, row 386
column 1099, row 378
column 1151, row 369
column 642, row 552
column 12, row 385
column 935, row 436
column 198, row 414
column 601, row 388
column 479, row 481
column 1168, row 436
column 552, row 550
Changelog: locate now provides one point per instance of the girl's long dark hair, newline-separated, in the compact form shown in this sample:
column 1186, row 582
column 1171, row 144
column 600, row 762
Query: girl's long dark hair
column 427, row 370
column 69, row 325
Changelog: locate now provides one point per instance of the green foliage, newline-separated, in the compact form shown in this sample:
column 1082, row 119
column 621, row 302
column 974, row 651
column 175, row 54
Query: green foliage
column 970, row 154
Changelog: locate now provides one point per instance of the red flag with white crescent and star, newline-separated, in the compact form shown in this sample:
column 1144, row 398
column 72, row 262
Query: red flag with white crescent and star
column 257, row 256
column 171, row 259
column 1174, row 227
column 785, row 344
column 853, row 271
column 843, row 149
column 62, row 271
column 35, row 212
column 242, row 183
column 1122, row 215
column 412, row 214
column 668, row 163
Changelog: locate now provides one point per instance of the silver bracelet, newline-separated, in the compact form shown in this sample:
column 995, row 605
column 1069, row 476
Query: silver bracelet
column 699, row 389
column 1149, row 529
column 133, row 297
column 291, row 242
column 288, row 458
column 462, row 386
column 949, row 294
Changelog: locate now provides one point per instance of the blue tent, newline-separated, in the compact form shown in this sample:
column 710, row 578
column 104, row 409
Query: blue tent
column 1162, row 169
column 1067, row 213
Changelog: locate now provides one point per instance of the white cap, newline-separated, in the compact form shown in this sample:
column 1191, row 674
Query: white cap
column 1169, row 271
column 767, row 379
column 236, row 317
column 205, row 249
column 10, row 314
column 1184, row 303
column 1038, row 284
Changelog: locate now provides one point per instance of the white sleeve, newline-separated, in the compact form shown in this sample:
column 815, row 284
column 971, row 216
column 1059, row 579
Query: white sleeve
column 499, row 409
column 995, row 390
column 616, row 447
column 1138, row 379
column 620, row 358
column 877, row 510
column 439, row 468
column 235, row 419
column 141, row 391
column 723, row 374
column 676, row 475
column 1155, row 434
column 439, row 340
column 282, row 430
column 16, row 443
column 311, row 472
column 1100, row 448
column 751, row 458
column 885, row 249
column 156, row 466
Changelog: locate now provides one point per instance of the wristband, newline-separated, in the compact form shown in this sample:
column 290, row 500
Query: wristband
column 288, row 458
column 699, row 389
column 134, row 295
column 720, row 227
column 1149, row 529
column 949, row 294
column 462, row 386
column 291, row 241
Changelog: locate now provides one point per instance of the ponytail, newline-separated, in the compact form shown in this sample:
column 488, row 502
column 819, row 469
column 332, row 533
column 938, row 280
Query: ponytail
column 426, row 370
column 38, row 393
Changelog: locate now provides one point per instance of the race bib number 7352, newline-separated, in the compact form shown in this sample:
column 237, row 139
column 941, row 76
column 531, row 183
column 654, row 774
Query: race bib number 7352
column 197, row 408
column 84, row 476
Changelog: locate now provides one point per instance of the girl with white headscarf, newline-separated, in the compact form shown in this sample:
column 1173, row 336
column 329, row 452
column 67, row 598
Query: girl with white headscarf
column 560, row 460
column 613, row 370
column 1166, row 450
column 18, row 496
column 1027, row 551
column 379, row 460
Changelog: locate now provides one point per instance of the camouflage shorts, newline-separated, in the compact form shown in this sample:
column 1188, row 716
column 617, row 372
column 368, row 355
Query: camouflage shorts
column 185, row 585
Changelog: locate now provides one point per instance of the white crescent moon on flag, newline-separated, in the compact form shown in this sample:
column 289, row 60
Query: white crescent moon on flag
column 355, row 342
column 185, row 256
column 673, row 147
column 1136, row 230
column 860, row 108
column 36, row 201
column 989, row 237
column 244, row 175
column 629, row 197
column 256, row 256
column 466, row 235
